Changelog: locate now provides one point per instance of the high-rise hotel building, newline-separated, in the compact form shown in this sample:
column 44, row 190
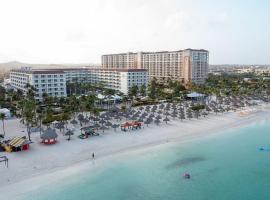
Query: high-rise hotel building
column 189, row 65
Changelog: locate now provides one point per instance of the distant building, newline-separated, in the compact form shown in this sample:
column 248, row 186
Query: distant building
column 240, row 69
column 188, row 65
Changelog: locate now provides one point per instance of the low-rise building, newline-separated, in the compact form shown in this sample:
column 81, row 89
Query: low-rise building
column 120, row 79
column 54, row 81
column 117, row 79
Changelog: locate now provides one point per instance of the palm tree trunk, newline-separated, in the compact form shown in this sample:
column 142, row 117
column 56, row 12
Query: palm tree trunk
column 4, row 127
column 29, row 132
column 40, row 127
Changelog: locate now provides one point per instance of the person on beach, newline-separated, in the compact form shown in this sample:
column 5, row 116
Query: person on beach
column 93, row 156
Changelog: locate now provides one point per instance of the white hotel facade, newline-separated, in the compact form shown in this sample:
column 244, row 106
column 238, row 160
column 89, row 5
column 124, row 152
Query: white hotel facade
column 189, row 65
column 116, row 79
column 54, row 81
column 118, row 72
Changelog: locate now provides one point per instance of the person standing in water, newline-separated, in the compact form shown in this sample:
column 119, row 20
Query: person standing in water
column 93, row 156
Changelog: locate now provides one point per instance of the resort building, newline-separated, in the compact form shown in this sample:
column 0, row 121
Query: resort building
column 54, row 81
column 121, row 61
column 195, row 65
column 117, row 79
column 189, row 65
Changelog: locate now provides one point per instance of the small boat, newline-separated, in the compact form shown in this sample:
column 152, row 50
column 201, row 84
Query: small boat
column 186, row 175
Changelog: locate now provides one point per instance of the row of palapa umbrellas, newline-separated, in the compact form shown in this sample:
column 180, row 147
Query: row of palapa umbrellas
column 155, row 113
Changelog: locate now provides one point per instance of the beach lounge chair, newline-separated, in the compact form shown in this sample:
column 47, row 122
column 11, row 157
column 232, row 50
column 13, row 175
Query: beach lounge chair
column 82, row 136
column 4, row 159
column 95, row 134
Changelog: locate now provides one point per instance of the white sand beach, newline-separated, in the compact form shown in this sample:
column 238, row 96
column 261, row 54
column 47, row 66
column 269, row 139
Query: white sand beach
column 66, row 157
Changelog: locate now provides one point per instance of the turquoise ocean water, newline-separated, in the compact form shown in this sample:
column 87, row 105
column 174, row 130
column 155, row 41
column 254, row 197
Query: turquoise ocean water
column 226, row 166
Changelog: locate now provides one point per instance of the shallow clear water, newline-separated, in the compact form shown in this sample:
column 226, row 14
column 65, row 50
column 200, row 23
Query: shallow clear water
column 223, row 166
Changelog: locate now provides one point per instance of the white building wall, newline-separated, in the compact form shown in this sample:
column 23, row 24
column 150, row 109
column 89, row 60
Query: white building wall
column 54, row 84
column 124, row 86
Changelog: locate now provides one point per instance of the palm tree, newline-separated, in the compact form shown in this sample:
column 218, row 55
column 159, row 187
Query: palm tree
column 31, row 91
column 75, row 83
column 2, row 118
column 133, row 91
column 29, row 115
column 39, row 119
column 143, row 90
column 69, row 88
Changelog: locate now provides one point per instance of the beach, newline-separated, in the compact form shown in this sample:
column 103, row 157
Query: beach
column 41, row 163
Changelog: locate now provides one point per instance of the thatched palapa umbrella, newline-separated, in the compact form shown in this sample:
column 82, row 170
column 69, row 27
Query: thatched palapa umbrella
column 69, row 133
column 147, row 122
column 74, row 121
column 166, row 120
column 157, row 121
column 115, row 126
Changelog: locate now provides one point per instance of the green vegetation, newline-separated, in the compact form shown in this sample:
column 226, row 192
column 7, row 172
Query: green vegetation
column 83, row 97
column 197, row 107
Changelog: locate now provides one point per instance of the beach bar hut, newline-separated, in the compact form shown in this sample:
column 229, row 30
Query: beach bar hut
column 19, row 144
column 49, row 136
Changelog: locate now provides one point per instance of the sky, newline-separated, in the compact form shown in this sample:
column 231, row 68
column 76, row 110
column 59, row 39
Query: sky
column 80, row 31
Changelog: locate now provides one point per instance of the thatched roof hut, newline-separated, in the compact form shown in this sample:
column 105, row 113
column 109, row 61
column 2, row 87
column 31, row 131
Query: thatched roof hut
column 49, row 136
